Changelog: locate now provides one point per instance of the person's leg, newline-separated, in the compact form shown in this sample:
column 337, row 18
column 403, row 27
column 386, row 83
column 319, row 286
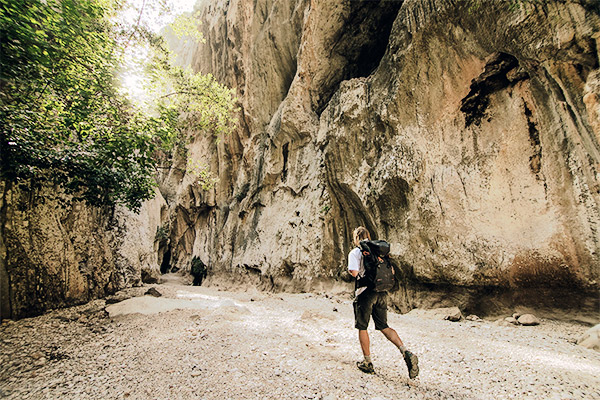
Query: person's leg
column 393, row 337
column 366, row 365
column 363, row 306
column 380, row 318
column 363, row 338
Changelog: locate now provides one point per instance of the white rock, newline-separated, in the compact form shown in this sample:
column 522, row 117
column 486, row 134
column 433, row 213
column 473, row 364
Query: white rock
column 453, row 314
column 591, row 338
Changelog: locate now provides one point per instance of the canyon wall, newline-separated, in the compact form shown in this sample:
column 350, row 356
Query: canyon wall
column 466, row 133
column 56, row 251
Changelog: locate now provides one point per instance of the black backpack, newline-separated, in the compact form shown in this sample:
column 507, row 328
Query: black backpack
column 379, row 272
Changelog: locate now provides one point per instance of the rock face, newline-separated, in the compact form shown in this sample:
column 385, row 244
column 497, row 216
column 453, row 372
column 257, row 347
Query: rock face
column 466, row 133
column 473, row 149
column 55, row 251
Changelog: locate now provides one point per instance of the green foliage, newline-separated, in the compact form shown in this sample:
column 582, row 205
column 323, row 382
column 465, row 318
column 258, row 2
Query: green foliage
column 162, row 233
column 191, row 102
column 194, row 101
column 186, row 25
column 202, row 174
column 62, row 117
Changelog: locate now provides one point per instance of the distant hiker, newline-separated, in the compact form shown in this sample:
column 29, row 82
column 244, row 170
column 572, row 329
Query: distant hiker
column 369, row 301
column 198, row 271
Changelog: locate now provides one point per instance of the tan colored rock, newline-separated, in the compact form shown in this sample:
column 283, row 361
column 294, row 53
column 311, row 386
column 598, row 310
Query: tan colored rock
column 451, row 156
column 453, row 314
column 456, row 163
column 503, row 322
column 528, row 320
column 443, row 313
column 473, row 150
column 73, row 252
column 153, row 292
column 591, row 338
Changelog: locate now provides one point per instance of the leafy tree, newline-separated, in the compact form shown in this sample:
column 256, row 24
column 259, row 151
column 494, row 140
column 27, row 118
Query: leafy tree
column 62, row 117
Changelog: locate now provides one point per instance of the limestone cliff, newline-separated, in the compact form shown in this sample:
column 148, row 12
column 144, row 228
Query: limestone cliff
column 56, row 251
column 466, row 132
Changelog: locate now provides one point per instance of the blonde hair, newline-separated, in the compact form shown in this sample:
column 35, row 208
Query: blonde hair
column 359, row 234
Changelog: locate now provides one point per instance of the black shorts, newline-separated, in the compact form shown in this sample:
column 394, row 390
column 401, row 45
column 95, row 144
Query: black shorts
column 370, row 303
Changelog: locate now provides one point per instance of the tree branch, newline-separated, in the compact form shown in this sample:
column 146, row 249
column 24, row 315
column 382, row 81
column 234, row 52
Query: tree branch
column 137, row 24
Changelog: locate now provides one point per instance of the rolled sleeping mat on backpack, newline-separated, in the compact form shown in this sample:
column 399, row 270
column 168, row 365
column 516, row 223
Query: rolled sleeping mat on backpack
column 379, row 248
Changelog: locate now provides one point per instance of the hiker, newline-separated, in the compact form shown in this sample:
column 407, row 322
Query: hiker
column 367, row 303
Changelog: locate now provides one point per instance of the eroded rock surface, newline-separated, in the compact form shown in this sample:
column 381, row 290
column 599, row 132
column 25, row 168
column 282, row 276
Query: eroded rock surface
column 56, row 251
column 464, row 132
column 473, row 149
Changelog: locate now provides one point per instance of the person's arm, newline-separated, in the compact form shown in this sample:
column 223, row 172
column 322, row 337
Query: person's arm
column 354, row 263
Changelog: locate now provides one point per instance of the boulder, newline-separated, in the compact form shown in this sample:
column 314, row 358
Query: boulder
column 528, row 320
column 443, row 313
column 453, row 314
column 153, row 292
column 502, row 322
column 446, row 313
column 591, row 338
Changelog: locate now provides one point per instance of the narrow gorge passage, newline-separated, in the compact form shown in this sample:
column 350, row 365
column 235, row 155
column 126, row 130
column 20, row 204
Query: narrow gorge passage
column 250, row 345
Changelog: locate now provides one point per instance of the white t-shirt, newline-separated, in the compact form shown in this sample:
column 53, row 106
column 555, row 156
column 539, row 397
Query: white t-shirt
column 355, row 263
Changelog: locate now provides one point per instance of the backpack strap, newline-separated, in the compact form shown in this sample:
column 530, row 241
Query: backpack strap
column 362, row 281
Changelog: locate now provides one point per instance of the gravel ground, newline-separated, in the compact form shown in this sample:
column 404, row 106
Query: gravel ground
column 252, row 345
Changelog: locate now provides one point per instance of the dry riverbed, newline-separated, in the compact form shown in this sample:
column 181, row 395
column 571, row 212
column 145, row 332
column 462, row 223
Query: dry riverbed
column 202, row 343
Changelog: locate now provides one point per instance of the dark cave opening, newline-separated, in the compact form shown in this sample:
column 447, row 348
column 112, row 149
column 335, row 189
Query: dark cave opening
column 285, row 154
column 362, row 41
column 493, row 79
column 366, row 35
column 165, row 265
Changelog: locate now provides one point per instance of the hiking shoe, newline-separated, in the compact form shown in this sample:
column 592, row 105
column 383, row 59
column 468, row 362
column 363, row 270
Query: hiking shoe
column 412, row 363
column 365, row 367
